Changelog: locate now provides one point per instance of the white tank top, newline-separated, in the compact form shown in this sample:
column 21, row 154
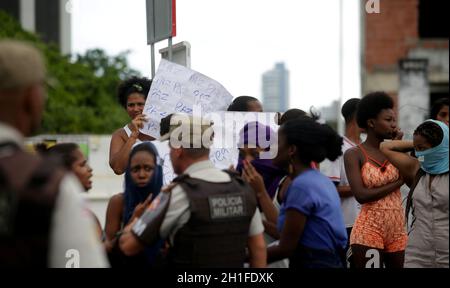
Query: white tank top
column 128, row 131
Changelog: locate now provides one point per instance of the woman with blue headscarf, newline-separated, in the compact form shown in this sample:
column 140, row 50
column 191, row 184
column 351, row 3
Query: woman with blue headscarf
column 427, row 177
column 143, row 181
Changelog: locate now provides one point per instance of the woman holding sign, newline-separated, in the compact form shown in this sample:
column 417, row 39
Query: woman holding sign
column 132, row 94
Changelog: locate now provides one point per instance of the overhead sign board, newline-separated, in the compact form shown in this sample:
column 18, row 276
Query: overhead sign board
column 160, row 20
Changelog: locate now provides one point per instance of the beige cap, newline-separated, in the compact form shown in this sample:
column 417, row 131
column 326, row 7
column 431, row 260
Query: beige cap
column 187, row 131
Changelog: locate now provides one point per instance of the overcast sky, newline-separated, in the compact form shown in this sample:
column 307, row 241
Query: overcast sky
column 236, row 41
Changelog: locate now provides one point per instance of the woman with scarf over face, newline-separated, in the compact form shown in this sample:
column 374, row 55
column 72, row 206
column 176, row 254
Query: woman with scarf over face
column 265, row 178
column 143, row 181
column 427, row 177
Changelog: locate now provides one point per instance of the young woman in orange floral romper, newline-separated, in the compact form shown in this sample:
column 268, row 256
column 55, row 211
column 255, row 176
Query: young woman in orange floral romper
column 378, row 236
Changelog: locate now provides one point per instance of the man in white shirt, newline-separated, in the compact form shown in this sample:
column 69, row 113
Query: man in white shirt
column 43, row 221
column 336, row 169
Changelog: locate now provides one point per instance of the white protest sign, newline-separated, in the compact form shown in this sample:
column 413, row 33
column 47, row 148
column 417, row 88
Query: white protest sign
column 222, row 159
column 228, row 129
column 164, row 153
column 176, row 89
column 228, row 132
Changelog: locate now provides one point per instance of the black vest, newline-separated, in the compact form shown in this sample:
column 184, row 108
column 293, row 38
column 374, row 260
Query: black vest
column 217, row 232
column 28, row 190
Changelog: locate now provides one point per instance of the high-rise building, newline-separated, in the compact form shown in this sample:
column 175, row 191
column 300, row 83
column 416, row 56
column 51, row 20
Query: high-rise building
column 275, row 89
column 50, row 19
column 330, row 114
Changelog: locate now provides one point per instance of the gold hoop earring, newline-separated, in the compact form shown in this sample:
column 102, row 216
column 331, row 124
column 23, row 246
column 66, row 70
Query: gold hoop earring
column 291, row 166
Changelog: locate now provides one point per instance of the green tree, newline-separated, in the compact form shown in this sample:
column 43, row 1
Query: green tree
column 81, row 92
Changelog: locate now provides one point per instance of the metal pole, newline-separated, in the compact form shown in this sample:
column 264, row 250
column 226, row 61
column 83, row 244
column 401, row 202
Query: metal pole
column 153, row 59
column 340, row 123
column 170, row 48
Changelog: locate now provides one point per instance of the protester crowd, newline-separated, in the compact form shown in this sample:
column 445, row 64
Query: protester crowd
column 281, row 212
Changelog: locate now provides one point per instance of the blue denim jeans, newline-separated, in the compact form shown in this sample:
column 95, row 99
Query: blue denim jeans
column 305, row 257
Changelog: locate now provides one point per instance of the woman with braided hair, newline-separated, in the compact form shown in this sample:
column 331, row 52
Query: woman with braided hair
column 427, row 177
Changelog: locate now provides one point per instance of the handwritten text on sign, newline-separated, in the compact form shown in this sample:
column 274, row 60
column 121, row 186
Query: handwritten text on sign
column 222, row 159
column 176, row 89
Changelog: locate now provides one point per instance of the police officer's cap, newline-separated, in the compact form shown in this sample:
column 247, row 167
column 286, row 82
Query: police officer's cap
column 186, row 131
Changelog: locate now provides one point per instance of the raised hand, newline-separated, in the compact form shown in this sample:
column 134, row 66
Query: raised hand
column 255, row 179
column 136, row 124
column 232, row 169
column 398, row 134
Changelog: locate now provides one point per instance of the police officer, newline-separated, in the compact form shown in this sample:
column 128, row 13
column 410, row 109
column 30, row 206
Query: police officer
column 211, row 215
column 42, row 220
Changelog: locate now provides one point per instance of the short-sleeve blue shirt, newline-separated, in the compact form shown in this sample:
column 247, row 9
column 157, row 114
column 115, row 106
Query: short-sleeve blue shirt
column 315, row 196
